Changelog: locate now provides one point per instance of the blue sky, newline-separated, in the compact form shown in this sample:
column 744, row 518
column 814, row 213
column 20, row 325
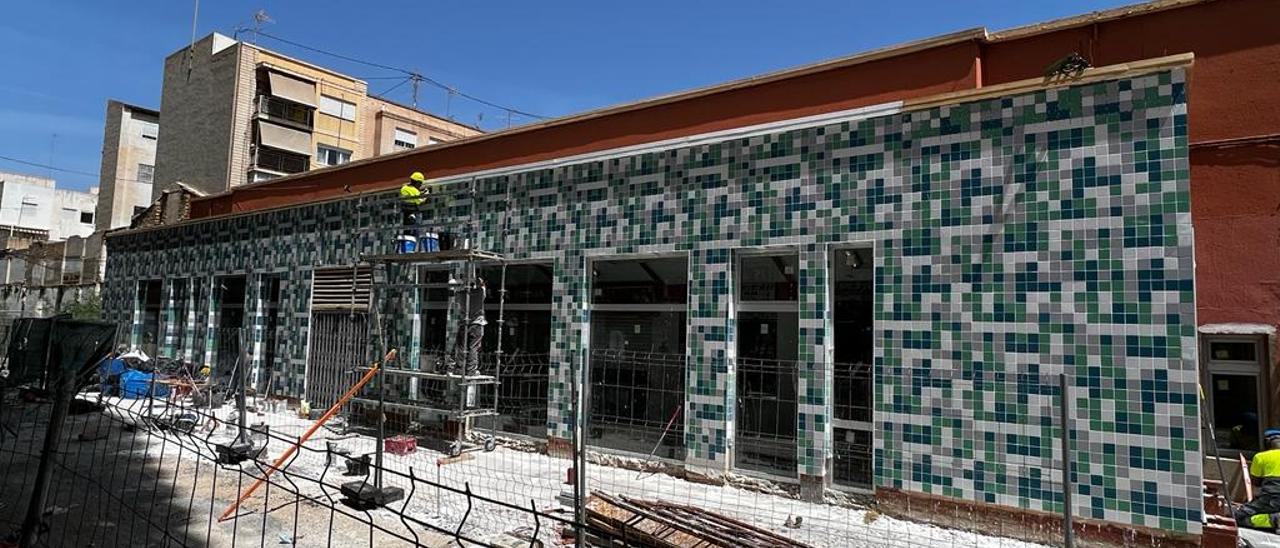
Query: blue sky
column 63, row 59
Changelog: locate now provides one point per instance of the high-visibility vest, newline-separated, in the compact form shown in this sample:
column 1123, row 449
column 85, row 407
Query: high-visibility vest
column 410, row 195
column 1266, row 465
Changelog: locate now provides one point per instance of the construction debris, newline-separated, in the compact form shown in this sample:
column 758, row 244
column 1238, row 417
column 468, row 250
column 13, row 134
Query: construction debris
column 658, row 524
column 401, row 445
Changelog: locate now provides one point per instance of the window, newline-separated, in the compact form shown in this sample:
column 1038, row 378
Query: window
column 768, row 347
column 146, row 173
column 149, row 130
column 330, row 156
column 337, row 108
column 229, row 293
column 526, row 345
column 853, row 346
column 637, row 359
column 269, row 296
column 433, row 141
column 1237, row 393
column 72, row 269
column 178, row 319
column 29, row 207
column 1233, row 351
column 149, row 302
column 405, row 139
column 86, row 217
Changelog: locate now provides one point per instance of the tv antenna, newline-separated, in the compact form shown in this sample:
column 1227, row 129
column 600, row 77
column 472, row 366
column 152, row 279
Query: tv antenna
column 260, row 18
column 415, row 80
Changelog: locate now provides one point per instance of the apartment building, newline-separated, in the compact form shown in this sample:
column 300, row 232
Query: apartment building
column 33, row 211
column 235, row 113
column 128, row 167
column 128, row 163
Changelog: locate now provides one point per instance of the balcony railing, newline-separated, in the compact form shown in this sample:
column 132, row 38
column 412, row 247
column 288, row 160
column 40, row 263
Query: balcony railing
column 285, row 111
column 280, row 161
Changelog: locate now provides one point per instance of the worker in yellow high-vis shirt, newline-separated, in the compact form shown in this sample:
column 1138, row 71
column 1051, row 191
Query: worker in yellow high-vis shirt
column 412, row 194
column 1263, row 512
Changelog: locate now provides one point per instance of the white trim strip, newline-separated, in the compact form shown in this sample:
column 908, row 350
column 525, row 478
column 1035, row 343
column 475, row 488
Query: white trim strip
column 860, row 113
column 1237, row 329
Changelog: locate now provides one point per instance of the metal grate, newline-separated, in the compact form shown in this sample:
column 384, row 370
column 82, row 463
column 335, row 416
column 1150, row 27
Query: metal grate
column 522, row 396
column 766, row 429
column 345, row 288
column 636, row 402
column 337, row 348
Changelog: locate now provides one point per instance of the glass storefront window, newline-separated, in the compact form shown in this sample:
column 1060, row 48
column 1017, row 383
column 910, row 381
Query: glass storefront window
column 638, row 326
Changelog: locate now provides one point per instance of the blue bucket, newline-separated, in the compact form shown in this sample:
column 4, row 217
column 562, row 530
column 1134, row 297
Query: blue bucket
column 430, row 242
column 406, row 244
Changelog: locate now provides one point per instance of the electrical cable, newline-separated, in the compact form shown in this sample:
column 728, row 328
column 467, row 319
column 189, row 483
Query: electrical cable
column 410, row 73
column 403, row 80
column 63, row 169
column 46, row 166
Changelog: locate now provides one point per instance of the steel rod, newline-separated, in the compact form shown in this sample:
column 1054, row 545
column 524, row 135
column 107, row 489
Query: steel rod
column 305, row 436
column 1068, row 532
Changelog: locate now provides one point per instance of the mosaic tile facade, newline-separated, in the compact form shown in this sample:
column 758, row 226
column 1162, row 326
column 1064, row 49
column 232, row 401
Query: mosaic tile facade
column 1015, row 238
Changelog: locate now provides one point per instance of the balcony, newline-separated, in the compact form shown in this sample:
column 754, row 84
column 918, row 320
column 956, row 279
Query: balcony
column 280, row 161
column 285, row 112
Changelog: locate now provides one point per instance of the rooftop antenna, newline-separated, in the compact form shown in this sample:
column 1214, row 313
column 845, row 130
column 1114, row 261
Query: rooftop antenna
column 260, row 18
column 191, row 51
column 415, row 80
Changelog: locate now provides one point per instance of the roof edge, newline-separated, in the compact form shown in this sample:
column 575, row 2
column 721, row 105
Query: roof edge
column 877, row 54
column 428, row 113
column 132, row 106
column 977, row 34
column 1107, row 72
column 1099, row 16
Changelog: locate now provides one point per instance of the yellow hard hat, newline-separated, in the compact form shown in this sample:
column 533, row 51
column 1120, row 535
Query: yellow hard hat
column 418, row 177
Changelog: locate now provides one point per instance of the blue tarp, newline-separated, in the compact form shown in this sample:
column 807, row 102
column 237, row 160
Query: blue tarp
column 136, row 384
column 110, row 368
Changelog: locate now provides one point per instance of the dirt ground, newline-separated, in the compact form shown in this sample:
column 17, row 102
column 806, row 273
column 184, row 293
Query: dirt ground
column 119, row 486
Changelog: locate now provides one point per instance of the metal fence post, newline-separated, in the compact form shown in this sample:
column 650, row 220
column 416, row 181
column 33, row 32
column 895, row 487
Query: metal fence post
column 1068, row 533
column 580, row 449
column 64, row 391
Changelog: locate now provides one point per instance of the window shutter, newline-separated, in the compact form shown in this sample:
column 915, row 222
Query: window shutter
column 341, row 288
